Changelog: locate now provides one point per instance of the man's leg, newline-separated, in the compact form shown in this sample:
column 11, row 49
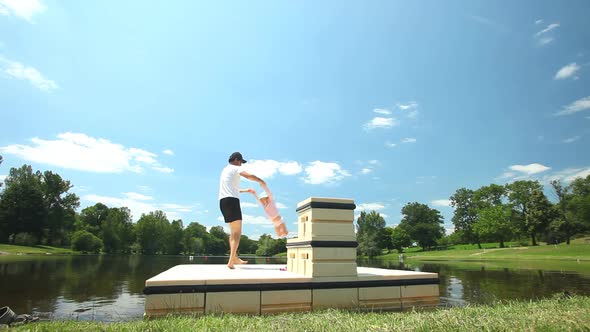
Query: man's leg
column 234, row 242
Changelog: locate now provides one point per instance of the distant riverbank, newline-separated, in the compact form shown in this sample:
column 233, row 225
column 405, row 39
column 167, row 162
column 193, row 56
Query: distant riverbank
column 560, row 313
column 578, row 250
column 9, row 249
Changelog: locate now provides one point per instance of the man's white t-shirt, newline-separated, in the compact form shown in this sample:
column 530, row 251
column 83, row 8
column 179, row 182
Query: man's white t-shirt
column 229, row 182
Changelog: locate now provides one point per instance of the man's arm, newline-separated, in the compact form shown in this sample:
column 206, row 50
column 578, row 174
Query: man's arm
column 252, row 177
column 265, row 187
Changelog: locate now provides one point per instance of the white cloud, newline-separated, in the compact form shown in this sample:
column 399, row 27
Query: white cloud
column 19, row 71
column 567, row 175
column 441, row 202
column 547, row 29
column 411, row 108
column 382, row 111
column 530, row 168
column 82, row 152
column 542, row 37
column 577, row 106
column 268, row 168
column 163, row 169
column 319, row 172
column 571, row 139
column 138, row 197
column 256, row 220
column 281, row 206
column 370, row 206
column 545, row 40
column 374, row 162
column 138, row 205
column 249, row 205
column 144, row 188
column 366, row 170
column 381, row 122
column 539, row 21
column 2, row 178
column 567, row 71
column 25, row 9
column 168, row 152
column 390, row 145
column 409, row 140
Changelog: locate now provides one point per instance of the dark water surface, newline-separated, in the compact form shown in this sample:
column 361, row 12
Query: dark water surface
column 110, row 288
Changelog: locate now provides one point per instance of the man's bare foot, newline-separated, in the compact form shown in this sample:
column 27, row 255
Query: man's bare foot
column 240, row 261
column 230, row 265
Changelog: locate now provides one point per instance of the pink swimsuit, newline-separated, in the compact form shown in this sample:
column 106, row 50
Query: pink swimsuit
column 272, row 212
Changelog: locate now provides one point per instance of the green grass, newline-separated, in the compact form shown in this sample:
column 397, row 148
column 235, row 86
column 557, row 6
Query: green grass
column 578, row 250
column 555, row 314
column 35, row 250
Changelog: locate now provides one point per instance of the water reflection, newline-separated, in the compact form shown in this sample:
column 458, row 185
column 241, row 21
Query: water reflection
column 110, row 288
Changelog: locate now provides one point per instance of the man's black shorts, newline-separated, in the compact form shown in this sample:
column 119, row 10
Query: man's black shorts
column 230, row 208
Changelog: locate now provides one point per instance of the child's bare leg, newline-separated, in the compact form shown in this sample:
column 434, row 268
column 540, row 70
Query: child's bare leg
column 280, row 227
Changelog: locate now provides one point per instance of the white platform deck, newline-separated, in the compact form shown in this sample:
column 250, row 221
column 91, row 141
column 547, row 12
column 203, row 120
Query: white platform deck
column 219, row 274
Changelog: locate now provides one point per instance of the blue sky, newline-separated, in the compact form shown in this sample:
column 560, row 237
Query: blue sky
column 386, row 102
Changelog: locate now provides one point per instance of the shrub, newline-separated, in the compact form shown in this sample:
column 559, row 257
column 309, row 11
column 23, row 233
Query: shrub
column 86, row 242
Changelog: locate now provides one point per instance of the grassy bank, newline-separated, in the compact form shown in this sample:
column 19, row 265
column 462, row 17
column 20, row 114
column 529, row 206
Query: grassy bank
column 556, row 314
column 577, row 251
column 9, row 249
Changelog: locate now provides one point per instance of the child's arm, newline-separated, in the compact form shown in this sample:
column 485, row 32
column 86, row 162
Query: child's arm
column 249, row 190
column 265, row 187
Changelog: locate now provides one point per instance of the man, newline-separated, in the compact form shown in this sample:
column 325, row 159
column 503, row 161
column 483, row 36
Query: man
column 229, row 202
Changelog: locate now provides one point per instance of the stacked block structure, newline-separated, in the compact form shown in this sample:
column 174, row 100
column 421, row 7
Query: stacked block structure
column 321, row 273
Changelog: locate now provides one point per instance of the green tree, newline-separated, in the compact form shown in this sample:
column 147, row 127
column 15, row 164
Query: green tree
column 93, row 217
column 494, row 223
column 400, row 239
column 247, row 245
column 217, row 232
column 267, row 246
column 565, row 222
column 86, row 242
column 60, row 205
column 174, row 238
column 465, row 215
column 422, row 223
column 193, row 238
column 117, row 231
column 580, row 202
column 22, row 205
column 519, row 195
column 370, row 232
column 151, row 230
column 540, row 213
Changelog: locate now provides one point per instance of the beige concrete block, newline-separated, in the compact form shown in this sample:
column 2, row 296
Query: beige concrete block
column 333, row 254
column 234, row 302
column 325, row 199
column 380, row 298
column 317, row 214
column 292, row 262
column 418, row 291
column 285, row 301
column 332, row 269
column 419, row 296
column 335, row 298
column 161, row 304
column 333, row 230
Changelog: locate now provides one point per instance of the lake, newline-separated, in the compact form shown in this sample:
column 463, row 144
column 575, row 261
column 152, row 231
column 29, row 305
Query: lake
column 110, row 288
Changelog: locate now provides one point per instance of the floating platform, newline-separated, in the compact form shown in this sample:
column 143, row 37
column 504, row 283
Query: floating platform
column 321, row 272
column 266, row 289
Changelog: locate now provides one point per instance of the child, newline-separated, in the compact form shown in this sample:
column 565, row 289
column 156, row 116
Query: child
column 268, row 203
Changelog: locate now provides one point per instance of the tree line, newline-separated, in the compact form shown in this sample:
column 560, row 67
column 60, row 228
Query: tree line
column 518, row 211
column 37, row 208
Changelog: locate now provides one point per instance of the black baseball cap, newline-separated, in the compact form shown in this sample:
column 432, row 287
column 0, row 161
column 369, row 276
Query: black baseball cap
column 236, row 155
